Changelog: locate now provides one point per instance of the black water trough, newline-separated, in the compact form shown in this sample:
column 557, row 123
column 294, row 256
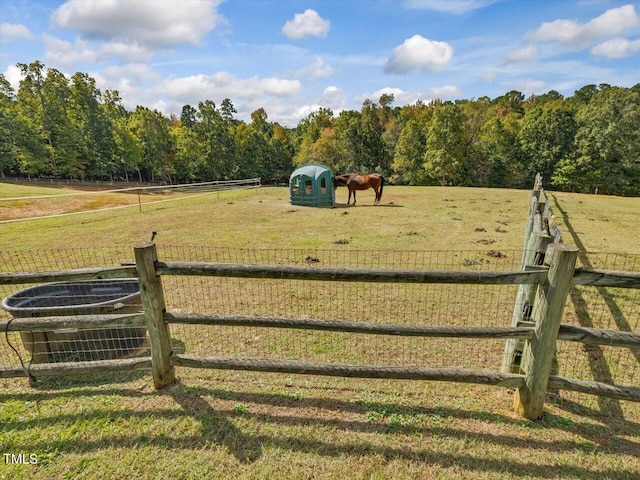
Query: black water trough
column 84, row 297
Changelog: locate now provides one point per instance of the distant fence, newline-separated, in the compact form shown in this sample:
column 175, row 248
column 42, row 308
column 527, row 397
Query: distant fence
column 187, row 190
column 250, row 296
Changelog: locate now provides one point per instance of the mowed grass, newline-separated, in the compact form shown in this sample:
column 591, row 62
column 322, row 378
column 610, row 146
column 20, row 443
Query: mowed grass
column 249, row 425
column 425, row 218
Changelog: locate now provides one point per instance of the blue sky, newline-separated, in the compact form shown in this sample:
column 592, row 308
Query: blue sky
column 292, row 57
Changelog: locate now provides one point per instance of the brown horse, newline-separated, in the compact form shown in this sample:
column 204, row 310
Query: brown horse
column 354, row 182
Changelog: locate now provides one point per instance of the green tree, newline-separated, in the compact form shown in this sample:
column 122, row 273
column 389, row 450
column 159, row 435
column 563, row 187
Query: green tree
column 65, row 140
column 408, row 162
column 9, row 126
column 510, row 102
column 476, row 168
column 606, row 155
column 546, row 137
column 188, row 116
column 188, row 152
column 217, row 146
column 308, row 132
column 328, row 150
column 347, row 127
column 127, row 153
column 444, row 157
column 371, row 151
column 500, row 140
column 281, row 148
column 33, row 155
column 152, row 129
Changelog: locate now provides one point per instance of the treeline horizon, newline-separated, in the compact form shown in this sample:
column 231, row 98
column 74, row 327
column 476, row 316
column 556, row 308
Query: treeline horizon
column 59, row 127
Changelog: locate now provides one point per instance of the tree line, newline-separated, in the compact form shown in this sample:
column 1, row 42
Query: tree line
column 61, row 127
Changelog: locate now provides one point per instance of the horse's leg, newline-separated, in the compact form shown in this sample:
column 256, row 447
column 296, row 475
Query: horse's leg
column 375, row 202
column 354, row 198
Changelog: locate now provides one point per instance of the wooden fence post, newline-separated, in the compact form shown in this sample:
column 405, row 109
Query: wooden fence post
column 535, row 251
column 154, row 307
column 535, row 246
column 548, row 307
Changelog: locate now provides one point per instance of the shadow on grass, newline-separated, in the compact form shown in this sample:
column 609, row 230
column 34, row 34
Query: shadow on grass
column 344, row 205
column 241, row 431
column 597, row 360
column 93, row 379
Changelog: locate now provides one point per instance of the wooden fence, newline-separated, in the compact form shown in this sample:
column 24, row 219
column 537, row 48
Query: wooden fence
column 545, row 280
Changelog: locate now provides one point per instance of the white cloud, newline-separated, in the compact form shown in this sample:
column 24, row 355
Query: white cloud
column 138, row 72
column 305, row 110
column 291, row 112
column 609, row 24
column 63, row 54
column 224, row 84
column 531, row 86
column 523, row 54
column 449, row 6
column 170, row 22
column 318, row 69
column 13, row 75
column 419, row 52
column 133, row 52
column 10, row 32
column 306, row 24
column 139, row 85
column 402, row 97
column 616, row 48
column 334, row 98
column 444, row 92
column 489, row 76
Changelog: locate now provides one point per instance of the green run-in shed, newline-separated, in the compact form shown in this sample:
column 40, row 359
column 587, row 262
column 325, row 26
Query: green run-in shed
column 311, row 185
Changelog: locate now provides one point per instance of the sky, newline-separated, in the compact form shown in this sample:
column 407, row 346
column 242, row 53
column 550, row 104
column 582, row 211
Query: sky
column 292, row 57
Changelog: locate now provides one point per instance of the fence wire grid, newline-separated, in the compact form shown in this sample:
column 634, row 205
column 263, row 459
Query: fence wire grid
column 398, row 303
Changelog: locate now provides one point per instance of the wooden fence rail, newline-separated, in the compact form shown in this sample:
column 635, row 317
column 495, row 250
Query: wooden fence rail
column 570, row 333
column 65, row 275
column 477, row 277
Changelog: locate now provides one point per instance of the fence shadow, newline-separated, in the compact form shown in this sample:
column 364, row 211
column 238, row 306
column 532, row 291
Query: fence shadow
column 344, row 205
column 595, row 354
column 219, row 426
column 45, row 383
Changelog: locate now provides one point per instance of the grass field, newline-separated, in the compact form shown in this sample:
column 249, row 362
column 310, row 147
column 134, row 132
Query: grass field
column 214, row 424
column 427, row 218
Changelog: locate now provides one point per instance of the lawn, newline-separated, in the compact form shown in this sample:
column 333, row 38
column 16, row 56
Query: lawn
column 425, row 218
column 214, row 424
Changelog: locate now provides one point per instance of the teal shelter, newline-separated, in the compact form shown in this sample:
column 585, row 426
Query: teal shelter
column 311, row 185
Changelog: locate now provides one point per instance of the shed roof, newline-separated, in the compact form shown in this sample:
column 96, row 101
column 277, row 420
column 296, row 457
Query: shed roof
column 312, row 170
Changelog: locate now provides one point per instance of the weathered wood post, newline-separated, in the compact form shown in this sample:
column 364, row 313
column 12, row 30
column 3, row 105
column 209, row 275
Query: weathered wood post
column 154, row 307
column 535, row 246
column 535, row 252
column 548, row 307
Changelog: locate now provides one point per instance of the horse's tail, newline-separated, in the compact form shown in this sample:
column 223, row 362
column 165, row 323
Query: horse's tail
column 381, row 187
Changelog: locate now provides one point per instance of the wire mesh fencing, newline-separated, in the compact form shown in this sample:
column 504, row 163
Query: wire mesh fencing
column 604, row 308
column 397, row 303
